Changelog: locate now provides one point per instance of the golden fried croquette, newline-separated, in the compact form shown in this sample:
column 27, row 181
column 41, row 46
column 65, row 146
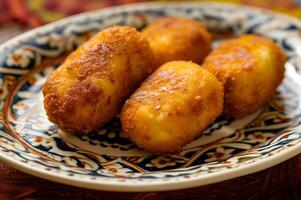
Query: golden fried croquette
column 171, row 107
column 250, row 69
column 177, row 38
column 89, row 88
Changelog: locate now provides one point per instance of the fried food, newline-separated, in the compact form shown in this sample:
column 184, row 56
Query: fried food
column 89, row 88
column 250, row 69
column 177, row 38
column 171, row 107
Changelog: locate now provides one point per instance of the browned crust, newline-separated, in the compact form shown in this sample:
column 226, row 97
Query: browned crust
column 177, row 38
column 73, row 97
column 236, row 58
column 178, row 96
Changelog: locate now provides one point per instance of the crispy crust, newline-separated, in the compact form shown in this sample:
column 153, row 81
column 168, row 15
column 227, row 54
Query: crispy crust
column 178, row 101
column 177, row 38
column 250, row 69
column 88, row 89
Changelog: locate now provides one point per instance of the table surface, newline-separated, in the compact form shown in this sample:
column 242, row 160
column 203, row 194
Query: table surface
column 282, row 181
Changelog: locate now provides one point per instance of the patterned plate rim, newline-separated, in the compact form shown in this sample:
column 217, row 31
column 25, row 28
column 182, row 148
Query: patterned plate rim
column 128, row 186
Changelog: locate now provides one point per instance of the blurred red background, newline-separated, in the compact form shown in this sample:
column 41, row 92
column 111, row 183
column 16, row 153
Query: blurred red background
column 33, row 13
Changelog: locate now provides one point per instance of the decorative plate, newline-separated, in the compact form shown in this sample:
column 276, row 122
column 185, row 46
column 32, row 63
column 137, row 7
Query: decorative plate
column 106, row 160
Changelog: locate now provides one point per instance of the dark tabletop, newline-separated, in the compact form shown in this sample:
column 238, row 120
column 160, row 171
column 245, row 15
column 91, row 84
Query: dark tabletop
column 282, row 182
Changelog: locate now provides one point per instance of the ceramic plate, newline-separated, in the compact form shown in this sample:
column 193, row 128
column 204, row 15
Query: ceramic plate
column 106, row 160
